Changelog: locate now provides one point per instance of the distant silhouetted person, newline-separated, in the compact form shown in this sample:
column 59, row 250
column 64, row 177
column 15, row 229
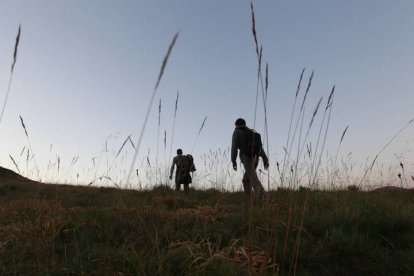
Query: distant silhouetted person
column 249, row 143
column 185, row 165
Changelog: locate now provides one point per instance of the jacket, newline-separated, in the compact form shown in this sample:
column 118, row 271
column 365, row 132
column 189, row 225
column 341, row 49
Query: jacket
column 239, row 139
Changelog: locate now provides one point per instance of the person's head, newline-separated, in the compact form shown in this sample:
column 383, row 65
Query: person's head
column 240, row 122
column 179, row 151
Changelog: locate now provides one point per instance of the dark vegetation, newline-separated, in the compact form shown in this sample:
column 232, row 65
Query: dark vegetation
column 67, row 230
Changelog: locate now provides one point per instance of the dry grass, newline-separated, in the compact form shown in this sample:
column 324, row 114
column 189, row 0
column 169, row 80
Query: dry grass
column 57, row 228
column 16, row 47
column 163, row 65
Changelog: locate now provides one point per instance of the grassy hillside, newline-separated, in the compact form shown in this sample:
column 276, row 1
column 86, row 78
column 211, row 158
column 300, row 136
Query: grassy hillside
column 67, row 230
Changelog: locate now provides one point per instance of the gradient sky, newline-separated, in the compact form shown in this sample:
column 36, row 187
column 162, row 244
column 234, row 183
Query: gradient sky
column 86, row 71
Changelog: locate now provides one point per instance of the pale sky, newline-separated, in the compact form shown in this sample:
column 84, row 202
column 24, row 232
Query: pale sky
column 86, row 70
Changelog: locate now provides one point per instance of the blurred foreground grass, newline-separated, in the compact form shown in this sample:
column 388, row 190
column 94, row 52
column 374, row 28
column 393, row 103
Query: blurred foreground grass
column 71, row 230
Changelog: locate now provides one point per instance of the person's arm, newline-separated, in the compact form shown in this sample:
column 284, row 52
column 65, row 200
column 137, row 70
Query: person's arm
column 234, row 148
column 264, row 158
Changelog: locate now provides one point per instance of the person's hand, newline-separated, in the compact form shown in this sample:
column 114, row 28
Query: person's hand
column 170, row 177
column 266, row 166
column 235, row 166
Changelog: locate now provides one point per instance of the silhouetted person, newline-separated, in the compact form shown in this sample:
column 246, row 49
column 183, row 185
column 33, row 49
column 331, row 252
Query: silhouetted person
column 249, row 158
column 185, row 165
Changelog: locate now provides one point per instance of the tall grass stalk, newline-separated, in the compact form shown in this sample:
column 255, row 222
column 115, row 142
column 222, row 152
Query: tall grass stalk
column 16, row 46
column 15, row 164
column 264, row 87
column 403, row 178
column 296, row 249
column 265, row 122
column 294, row 180
column 287, row 234
column 164, row 64
column 27, row 161
column 173, row 131
column 250, row 230
column 336, row 156
column 158, row 142
column 299, row 153
column 259, row 72
column 132, row 143
column 58, row 165
column 329, row 105
column 282, row 177
column 254, row 29
column 298, row 123
column 165, row 157
column 100, row 157
column 119, row 152
column 259, row 59
column 30, row 146
column 382, row 149
column 198, row 135
column 123, row 145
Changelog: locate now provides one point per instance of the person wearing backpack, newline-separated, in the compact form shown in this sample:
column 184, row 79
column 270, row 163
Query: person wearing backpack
column 185, row 166
column 249, row 143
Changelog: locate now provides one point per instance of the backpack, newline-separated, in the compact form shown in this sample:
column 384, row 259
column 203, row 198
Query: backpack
column 253, row 144
column 186, row 164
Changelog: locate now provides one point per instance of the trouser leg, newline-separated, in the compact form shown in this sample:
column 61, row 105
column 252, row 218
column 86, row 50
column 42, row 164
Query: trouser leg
column 246, row 184
column 177, row 185
column 259, row 187
column 250, row 174
column 186, row 187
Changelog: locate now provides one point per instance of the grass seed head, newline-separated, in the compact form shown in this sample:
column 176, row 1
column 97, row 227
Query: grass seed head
column 16, row 46
column 164, row 62
column 254, row 29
